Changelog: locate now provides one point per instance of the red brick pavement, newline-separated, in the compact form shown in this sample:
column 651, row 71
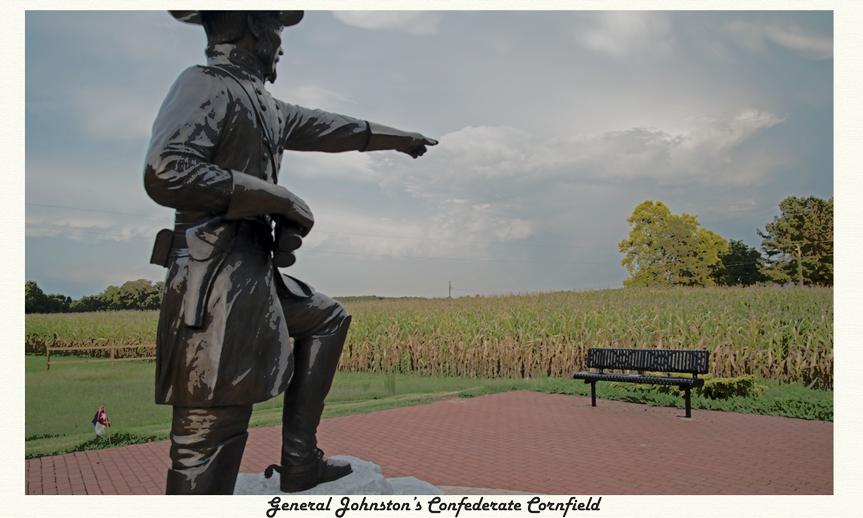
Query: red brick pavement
column 523, row 441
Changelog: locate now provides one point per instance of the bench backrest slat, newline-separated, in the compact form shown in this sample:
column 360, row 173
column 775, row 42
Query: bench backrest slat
column 660, row 360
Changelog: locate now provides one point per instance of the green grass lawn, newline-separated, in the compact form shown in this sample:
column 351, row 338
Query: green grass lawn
column 60, row 404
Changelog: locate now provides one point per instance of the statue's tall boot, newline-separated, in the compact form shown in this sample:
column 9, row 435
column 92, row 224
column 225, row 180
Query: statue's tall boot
column 303, row 465
column 215, row 476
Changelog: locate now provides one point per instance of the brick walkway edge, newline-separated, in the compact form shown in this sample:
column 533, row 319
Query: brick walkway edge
column 518, row 441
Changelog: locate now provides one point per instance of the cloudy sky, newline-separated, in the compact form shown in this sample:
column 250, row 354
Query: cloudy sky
column 552, row 125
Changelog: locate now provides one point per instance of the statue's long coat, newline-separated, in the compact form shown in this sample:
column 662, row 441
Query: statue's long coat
column 216, row 122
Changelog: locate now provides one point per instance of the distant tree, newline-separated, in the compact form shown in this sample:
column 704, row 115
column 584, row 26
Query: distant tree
column 739, row 266
column 58, row 303
column 87, row 303
column 34, row 298
column 664, row 249
column 799, row 242
column 115, row 299
column 143, row 294
column 140, row 294
column 36, row 301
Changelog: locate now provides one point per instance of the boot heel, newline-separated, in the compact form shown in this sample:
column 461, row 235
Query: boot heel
column 300, row 478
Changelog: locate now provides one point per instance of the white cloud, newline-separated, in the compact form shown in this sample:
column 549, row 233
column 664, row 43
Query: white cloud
column 421, row 23
column 743, row 206
column 86, row 227
column 314, row 97
column 115, row 114
column 624, row 33
column 497, row 185
column 132, row 35
column 796, row 39
column 440, row 228
column 424, row 233
column 352, row 167
column 101, row 278
column 703, row 154
column 470, row 157
column 497, row 164
column 710, row 143
column 746, row 34
column 91, row 200
column 753, row 36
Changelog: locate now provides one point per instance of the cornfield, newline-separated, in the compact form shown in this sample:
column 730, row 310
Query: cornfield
column 780, row 334
column 132, row 328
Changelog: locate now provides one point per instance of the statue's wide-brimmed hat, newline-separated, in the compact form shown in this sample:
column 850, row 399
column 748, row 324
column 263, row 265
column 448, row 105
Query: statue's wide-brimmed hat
column 287, row 18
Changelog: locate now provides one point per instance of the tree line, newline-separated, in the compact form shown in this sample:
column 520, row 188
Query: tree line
column 664, row 249
column 140, row 294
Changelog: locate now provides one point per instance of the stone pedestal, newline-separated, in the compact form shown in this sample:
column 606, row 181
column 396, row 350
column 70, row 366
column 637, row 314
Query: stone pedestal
column 366, row 479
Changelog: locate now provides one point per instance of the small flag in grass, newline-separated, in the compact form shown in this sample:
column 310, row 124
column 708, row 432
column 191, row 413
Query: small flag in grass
column 100, row 421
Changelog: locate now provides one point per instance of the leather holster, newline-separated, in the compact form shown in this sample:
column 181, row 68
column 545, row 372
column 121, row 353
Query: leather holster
column 209, row 245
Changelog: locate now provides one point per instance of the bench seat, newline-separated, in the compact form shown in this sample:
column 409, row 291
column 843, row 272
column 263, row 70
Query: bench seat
column 646, row 360
column 639, row 378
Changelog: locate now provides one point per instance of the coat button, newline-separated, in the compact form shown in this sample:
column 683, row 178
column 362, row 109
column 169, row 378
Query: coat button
column 277, row 107
column 280, row 120
column 259, row 91
column 263, row 108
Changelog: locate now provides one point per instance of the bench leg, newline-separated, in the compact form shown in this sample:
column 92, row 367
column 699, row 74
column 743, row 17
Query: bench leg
column 593, row 394
column 688, row 404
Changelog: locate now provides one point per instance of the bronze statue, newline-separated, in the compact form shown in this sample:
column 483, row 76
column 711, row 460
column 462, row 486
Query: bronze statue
column 227, row 314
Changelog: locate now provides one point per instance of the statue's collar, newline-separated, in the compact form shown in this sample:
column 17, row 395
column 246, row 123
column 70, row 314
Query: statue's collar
column 227, row 54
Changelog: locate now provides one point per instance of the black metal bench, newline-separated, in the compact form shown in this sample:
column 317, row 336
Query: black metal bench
column 641, row 360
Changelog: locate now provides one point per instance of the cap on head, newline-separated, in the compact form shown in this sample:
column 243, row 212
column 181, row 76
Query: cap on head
column 287, row 18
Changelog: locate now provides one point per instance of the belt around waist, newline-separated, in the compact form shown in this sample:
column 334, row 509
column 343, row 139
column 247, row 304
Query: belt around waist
column 250, row 234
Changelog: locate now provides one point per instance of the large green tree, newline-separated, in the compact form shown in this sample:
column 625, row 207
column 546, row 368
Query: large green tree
column 664, row 249
column 139, row 294
column 739, row 266
column 799, row 242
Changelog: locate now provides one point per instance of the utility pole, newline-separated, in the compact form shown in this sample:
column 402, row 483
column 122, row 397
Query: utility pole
column 450, row 289
column 800, row 265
